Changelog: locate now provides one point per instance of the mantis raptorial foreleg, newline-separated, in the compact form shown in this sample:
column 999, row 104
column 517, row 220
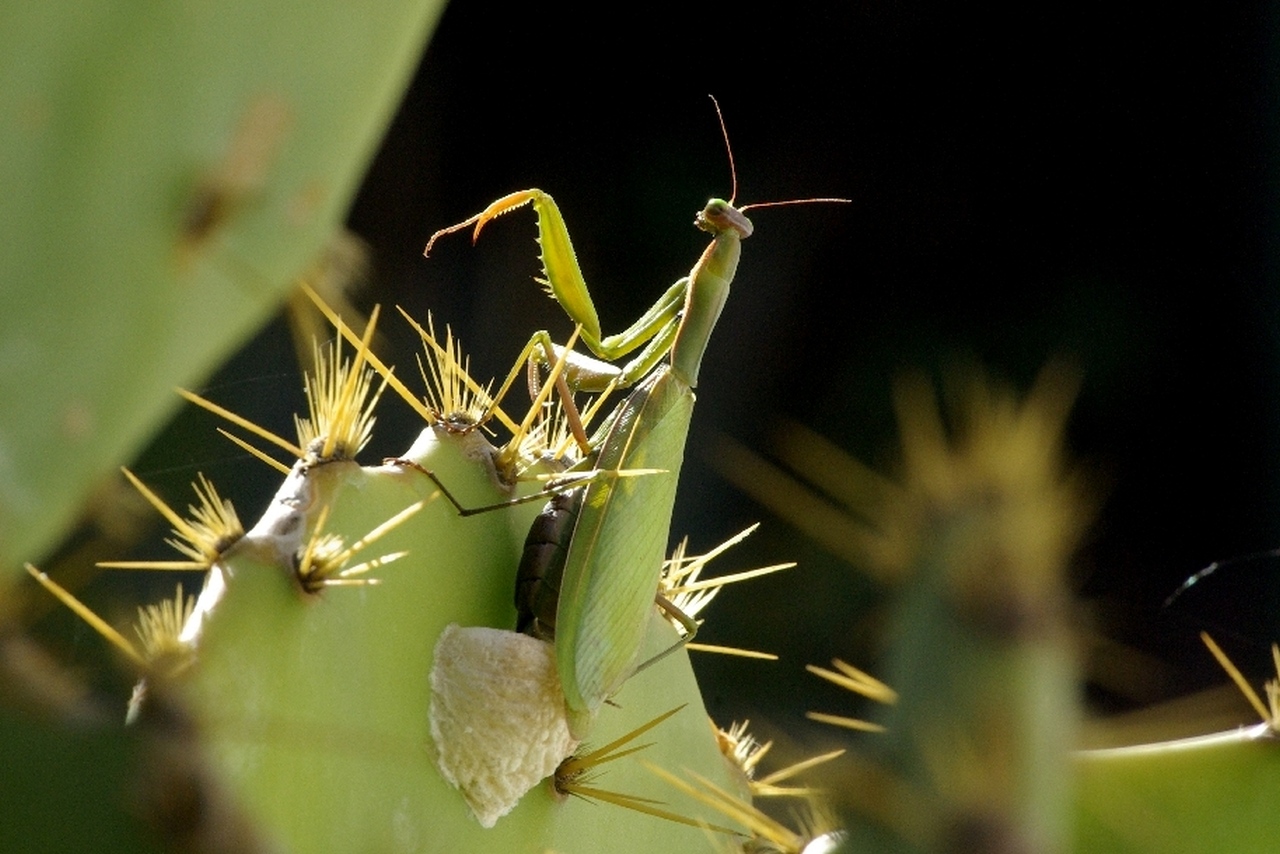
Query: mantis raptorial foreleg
column 565, row 283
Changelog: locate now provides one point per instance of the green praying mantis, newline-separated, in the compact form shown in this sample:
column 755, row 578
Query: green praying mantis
column 605, row 541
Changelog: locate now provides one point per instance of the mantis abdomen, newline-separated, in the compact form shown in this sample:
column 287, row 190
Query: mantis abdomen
column 541, row 568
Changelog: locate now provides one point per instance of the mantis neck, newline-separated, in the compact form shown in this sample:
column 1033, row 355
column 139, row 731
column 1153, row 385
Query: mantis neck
column 708, row 289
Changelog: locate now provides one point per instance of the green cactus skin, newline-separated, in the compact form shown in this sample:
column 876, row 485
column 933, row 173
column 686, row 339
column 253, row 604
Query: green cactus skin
column 169, row 169
column 1209, row 793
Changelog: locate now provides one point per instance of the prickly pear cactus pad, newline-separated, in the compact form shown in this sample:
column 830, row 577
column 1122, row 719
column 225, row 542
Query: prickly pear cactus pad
column 169, row 169
column 348, row 678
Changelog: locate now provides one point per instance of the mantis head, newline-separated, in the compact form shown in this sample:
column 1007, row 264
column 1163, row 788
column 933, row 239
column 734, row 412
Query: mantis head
column 720, row 216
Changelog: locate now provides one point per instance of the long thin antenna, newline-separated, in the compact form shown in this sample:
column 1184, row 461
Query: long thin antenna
column 745, row 208
column 724, row 131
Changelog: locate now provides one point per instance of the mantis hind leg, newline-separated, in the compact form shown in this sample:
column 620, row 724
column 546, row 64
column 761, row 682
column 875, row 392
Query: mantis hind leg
column 690, row 630
column 563, row 483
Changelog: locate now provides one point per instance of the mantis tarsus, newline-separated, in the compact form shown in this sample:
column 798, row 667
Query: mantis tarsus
column 615, row 548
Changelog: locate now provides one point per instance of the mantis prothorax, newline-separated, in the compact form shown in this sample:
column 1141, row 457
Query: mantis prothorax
column 609, row 559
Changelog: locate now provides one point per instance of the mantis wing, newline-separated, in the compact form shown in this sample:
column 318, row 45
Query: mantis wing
column 615, row 557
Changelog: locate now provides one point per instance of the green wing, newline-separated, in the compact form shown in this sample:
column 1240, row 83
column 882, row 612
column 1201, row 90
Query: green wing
column 615, row 558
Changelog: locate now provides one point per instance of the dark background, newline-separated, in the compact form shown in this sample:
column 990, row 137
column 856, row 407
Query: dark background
column 1043, row 180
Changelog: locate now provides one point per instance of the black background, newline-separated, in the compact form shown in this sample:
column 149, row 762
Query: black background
column 1040, row 180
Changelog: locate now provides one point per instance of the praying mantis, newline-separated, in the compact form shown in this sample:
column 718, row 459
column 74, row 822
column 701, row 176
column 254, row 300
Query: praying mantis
column 609, row 536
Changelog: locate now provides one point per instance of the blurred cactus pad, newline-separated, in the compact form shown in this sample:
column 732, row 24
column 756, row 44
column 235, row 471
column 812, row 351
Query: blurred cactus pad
column 169, row 171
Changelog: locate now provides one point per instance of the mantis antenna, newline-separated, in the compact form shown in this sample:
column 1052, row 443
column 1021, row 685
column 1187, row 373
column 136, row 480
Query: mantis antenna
column 733, row 175
column 724, row 132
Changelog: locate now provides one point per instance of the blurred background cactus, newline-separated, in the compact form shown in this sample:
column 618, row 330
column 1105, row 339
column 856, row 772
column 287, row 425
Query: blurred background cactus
column 1101, row 185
